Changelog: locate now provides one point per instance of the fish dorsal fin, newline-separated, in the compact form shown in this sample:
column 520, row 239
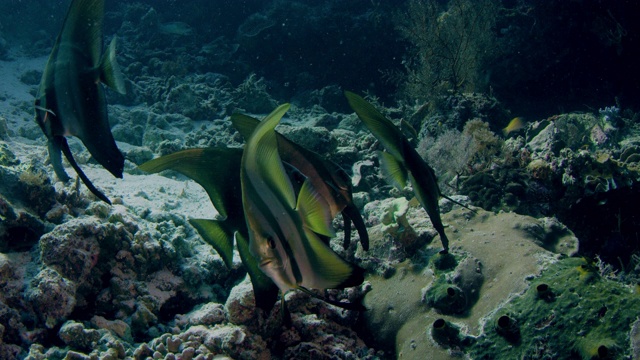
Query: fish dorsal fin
column 381, row 127
column 83, row 27
column 110, row 73
column 326, row 269
column 217, row 234
column 261, row 153
column 314, row 210
column 245, row 124
column 393, row 170
column 217, row 170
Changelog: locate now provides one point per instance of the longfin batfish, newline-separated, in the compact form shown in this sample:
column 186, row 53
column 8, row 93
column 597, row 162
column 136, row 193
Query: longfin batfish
column 402, row 161
column 71, row 101
column 326, row 177
column 284, row 227
column 217, row 170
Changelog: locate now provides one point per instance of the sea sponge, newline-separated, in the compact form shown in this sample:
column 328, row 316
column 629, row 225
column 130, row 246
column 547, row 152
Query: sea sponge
column 589, row 315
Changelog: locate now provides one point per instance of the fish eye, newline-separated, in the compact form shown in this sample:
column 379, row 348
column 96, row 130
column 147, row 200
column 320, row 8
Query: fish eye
column 271, row 242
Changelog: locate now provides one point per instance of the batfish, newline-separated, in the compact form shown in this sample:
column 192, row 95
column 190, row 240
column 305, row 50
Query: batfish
column 284, row 226
column 402, row 161
column 71, row 101
column 327, row 177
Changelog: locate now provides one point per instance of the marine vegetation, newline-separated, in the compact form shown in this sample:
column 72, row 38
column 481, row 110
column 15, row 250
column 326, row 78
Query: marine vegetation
column 71, row 101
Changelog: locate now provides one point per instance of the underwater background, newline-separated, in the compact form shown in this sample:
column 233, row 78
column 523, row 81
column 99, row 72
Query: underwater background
column 526, row 110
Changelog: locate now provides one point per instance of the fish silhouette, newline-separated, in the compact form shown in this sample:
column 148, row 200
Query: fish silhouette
column 71, row 101
column 402, row 161
column 285, row 225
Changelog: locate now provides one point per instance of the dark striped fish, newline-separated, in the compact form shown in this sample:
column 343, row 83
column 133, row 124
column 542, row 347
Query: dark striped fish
column 71, row 100
column 285, row 227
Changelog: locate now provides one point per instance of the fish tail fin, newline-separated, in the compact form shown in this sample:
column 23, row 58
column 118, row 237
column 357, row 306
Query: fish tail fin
column 64, row 146
column 110, row 73
column 356, row 278
column 55, row 156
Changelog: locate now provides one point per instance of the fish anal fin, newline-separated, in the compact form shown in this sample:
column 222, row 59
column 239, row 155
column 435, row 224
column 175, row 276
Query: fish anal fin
column 110, row 73
column 55, row 156
column 458, row 203
column 314, row 210
column 351, row 213
column 67, row 153
column 393, row 170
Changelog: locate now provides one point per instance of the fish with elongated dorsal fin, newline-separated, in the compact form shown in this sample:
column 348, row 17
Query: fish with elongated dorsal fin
column 71, row 101
column 217, row 170
column 284, row 226
column 327, row 177
column 402, row 161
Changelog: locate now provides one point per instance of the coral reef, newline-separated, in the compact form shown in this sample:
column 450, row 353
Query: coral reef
column 594, row 313
column 83, row 280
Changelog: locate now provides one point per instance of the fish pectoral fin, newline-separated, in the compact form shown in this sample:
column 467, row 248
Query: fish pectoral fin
column 55, row 156
column 314, row 210
column 458, row 203
column 217, row 234
column 327, row 269
column 110, row 73
column 393, row 170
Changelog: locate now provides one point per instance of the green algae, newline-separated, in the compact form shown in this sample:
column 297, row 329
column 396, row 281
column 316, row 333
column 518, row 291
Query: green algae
column 569, row 312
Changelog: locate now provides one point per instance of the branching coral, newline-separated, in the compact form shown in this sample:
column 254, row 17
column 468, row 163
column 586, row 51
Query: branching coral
column 452, row 43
